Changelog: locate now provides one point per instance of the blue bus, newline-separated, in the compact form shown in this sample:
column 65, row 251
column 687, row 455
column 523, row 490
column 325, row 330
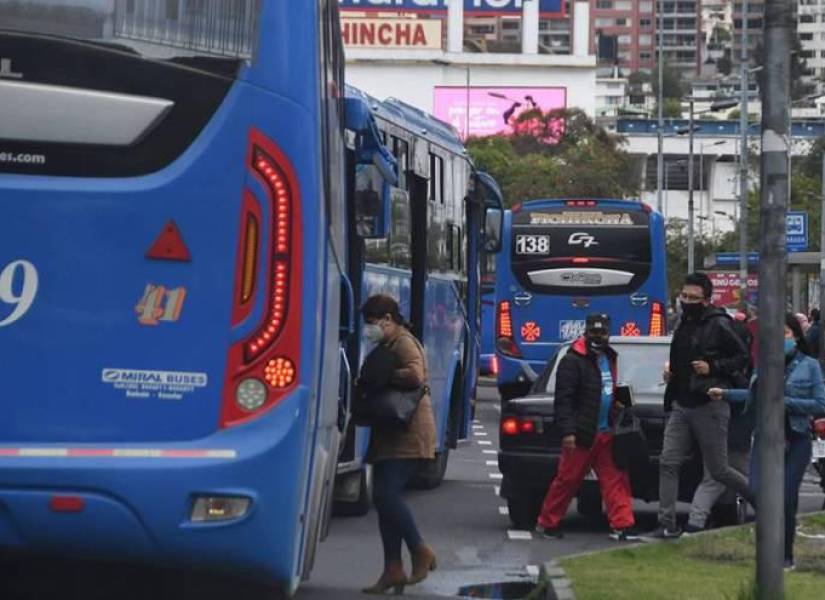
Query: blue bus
column 564, row 259
column 444, row 216
column 174, row 278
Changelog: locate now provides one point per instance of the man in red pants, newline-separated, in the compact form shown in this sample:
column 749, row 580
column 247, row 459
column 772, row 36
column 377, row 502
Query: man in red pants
column 584, row 409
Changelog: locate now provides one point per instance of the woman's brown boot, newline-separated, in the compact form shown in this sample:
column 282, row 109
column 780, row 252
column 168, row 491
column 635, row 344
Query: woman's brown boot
column 392, row 577
column 423, row 561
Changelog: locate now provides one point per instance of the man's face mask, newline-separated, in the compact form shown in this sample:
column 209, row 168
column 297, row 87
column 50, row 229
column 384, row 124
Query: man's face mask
column 596, row 340
column 692, row 304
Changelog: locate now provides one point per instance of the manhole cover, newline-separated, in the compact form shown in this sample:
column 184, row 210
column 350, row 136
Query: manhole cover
column 507, row 589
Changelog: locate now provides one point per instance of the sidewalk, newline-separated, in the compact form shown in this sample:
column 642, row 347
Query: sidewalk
column 717, row 564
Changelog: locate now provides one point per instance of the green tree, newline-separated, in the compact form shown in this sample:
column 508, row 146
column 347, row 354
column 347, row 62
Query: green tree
column 705, row 245
column 672, row 84
column 672, row 108
column 562, row 153
column 724, row 65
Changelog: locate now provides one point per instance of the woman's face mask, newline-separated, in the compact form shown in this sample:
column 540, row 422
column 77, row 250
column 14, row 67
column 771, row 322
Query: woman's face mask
column 790, row 345
column 373, row 333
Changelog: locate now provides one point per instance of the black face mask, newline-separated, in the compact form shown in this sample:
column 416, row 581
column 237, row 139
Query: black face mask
column 596, row 343
column 693, row 309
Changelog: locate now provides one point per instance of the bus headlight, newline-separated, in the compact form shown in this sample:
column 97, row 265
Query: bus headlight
column 250, row 394
column 218, row 508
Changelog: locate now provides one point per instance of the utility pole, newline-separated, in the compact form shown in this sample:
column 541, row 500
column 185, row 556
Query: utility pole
column 660, row 164
column 822, row 269
column 691, row 208
column 743, row 160
column 770, row 426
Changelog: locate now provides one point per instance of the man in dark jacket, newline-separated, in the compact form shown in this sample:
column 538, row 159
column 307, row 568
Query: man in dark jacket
column 584, row 409
column 705, row 352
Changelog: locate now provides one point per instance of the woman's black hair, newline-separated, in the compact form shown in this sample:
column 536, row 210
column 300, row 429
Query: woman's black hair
column 792, row 323
column 379, row 305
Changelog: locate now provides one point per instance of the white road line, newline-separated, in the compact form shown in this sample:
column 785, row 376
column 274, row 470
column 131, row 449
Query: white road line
column 533, row 570
column 476, row 422
column 492, row 463
column 516, row 534
column 495, row 475
column 503, row 510
column 484, row 443
column 480, row 433
column 497, row 489
column 490, row 451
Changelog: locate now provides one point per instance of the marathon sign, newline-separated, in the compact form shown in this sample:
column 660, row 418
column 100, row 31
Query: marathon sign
column 391, row 33
column 473, row 7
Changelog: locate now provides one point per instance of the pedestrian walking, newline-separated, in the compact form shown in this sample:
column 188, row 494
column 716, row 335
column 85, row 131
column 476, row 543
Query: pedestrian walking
column 396, row 453
column 812, row 335
column 705, row 353
column 804, row 399
column 584, row 411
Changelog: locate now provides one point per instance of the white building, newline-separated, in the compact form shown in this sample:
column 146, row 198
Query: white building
column 811, row 29
column 485, row 89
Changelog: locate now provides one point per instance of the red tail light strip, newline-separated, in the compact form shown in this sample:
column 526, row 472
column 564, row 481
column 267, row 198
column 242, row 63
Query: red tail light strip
column 657, row 319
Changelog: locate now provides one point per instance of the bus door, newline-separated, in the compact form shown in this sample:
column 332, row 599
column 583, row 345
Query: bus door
column 569, row 260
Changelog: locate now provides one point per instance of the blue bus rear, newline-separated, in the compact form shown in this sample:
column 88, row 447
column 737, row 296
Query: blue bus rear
column 172, row 248
column 564, row 259
column 487, row 362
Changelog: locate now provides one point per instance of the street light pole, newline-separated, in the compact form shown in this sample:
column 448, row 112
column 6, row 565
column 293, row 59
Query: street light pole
column 467, row 107
column 660, row 164
column 743, row 159
column 691, row 241
column 822, row 268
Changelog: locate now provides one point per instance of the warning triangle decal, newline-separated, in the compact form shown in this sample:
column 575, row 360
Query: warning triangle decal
column 169, row 245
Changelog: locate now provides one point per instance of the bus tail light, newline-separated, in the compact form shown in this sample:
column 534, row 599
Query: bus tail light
column 264, row 366
column 494, row 365
column 505, row 341
column 218, row 508
column 581, row 203
column 657, row 319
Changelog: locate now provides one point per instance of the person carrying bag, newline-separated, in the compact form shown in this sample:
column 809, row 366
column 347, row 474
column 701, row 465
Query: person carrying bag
column 393, row 397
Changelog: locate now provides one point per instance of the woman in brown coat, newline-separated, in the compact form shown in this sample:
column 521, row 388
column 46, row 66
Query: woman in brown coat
column 396, row 454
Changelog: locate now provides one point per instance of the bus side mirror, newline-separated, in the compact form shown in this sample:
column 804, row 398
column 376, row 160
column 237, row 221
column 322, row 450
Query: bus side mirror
column 493, row 222
column 372, row 202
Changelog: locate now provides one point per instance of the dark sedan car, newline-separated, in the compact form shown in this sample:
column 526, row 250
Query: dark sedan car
column 530, row 443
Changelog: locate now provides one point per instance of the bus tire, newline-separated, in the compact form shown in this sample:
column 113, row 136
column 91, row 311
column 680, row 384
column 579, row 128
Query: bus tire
column 523, row 509
column 431, row 473
column 361, row 506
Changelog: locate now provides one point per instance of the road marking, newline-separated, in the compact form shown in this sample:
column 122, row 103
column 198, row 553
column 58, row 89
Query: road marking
column 492, row 463
column 503, row 510
column 490, row 451
column 484, row 443
column 481, row 433
column 533, row 570
column 495, row 475
column 517, row 534
column 476, row 422
column 497, row 489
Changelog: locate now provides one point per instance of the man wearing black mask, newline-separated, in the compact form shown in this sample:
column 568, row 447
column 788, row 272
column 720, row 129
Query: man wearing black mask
column 584, row 408
column 705, row 353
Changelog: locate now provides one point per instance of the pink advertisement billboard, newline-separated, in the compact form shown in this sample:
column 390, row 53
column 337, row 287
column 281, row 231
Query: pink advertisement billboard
column 493, row 110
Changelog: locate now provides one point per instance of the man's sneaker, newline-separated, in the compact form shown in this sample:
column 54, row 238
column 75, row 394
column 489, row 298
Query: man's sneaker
column 663, row 533
column 690, row 528
column 624, row 535
column 549, row 534
column 789, row 565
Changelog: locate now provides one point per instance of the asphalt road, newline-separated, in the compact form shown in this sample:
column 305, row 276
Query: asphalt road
column 464, row 520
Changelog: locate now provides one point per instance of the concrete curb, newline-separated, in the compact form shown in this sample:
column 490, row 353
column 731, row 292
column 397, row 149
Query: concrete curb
column 559, row 587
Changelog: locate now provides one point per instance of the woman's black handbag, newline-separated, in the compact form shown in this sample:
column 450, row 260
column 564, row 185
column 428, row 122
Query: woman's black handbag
column 387, row 407
column 629, row 442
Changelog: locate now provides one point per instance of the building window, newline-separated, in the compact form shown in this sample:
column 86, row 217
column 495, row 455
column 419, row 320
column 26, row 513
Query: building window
column 806, row 37
column 646, row 7
column 605, row 22
column 645, row 23
column 604, row 4
column 624, row 40
column 645, row 56
column 645, row 40
column 623, row 5
column 621, row 22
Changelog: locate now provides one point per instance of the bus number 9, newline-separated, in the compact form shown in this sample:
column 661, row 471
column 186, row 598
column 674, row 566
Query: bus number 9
column 532, row 244
column 20, row 296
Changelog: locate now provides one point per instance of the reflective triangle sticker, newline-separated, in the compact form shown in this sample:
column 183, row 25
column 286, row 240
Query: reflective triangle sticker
column 169, row 245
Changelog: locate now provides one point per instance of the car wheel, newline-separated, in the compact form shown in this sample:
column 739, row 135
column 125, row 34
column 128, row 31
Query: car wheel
column 524, row 509
column 589, row 504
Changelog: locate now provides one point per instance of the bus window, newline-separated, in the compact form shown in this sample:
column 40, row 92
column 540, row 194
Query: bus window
column 454, row 248
column 401, row 151
column 400, row 243
column 436, row 179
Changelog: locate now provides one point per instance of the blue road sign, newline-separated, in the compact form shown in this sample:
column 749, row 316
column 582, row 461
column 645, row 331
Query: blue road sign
column 732, row 258
column 796, row 231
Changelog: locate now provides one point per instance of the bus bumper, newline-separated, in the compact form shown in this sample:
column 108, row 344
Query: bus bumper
column 134, row 502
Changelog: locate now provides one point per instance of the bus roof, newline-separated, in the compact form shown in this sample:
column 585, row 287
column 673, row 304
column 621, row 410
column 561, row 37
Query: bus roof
column 412, row 119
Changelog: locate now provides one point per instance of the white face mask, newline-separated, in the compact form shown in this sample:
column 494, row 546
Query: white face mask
column 373, row 333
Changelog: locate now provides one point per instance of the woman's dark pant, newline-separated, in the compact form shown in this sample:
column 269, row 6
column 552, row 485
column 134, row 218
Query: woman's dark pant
column 395, row 520
column 798, row 451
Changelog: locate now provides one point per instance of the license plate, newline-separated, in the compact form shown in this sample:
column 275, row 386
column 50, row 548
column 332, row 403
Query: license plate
column 819, row 449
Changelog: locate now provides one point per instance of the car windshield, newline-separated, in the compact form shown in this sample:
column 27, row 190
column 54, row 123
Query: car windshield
column 640, row 365
column 156, row 29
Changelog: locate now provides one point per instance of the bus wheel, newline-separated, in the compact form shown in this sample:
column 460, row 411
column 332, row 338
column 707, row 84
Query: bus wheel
column 363, row 501
column 431, row 474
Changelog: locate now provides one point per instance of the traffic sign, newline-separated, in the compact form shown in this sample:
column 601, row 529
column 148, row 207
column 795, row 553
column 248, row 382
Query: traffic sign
column 796, row 231
column 732, row 258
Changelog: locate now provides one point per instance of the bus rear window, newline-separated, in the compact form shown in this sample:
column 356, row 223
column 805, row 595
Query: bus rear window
column 581, row 251
column 157, row 29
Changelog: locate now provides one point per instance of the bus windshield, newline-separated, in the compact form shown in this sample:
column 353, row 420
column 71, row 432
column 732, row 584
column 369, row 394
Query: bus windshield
column 155, row 29
column 574, row 250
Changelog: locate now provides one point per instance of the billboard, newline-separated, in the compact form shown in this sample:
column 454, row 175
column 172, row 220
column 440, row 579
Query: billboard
column 472, row 7
column 726, row 291
column 493, row 110
column 391, row 33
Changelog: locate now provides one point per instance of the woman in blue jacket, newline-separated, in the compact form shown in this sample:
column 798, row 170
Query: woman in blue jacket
column 804, row 398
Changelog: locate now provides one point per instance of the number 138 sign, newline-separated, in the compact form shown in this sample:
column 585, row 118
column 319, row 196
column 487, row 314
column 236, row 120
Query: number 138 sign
column 18, row 288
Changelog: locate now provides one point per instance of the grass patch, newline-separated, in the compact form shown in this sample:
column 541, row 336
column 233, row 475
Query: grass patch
column 719, row 566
